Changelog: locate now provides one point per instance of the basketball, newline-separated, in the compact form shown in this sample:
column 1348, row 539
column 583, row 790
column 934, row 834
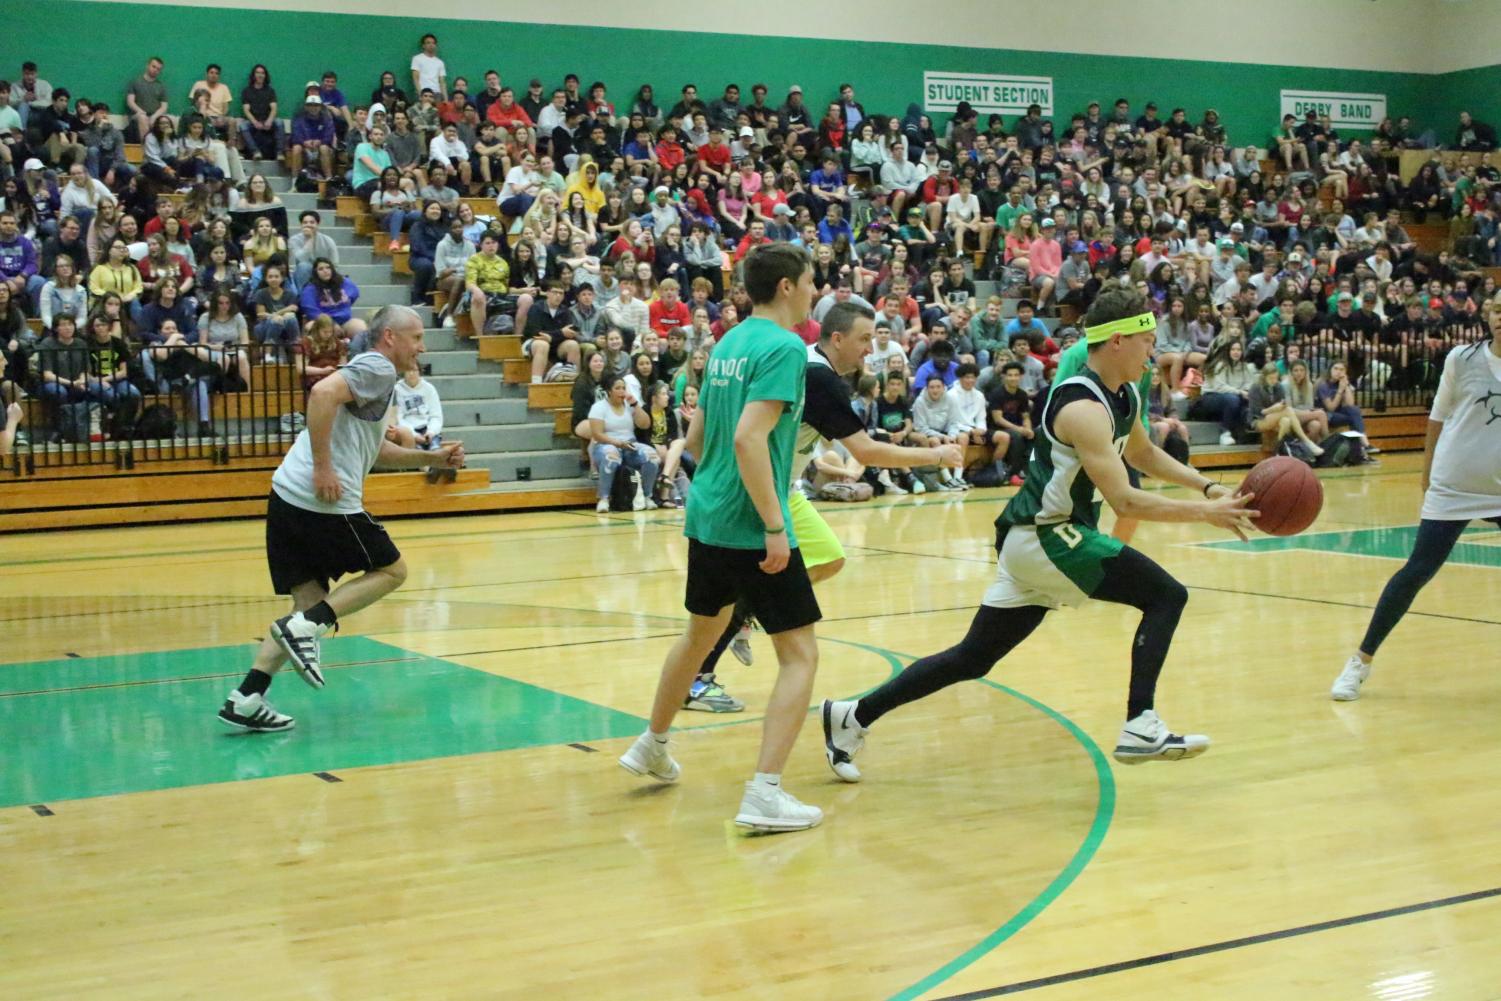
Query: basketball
column 1287, row 493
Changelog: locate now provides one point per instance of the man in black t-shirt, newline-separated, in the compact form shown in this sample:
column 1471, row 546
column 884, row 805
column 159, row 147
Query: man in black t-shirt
column 1010, row 410
column 828, row 414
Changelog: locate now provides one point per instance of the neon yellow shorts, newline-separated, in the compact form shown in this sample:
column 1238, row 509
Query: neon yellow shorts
column 816, row 540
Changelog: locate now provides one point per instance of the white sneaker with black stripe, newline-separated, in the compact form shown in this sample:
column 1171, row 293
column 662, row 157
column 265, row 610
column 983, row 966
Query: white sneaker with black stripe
column 1147, row 738
column 253, row 713
column 843, row 738
column 1346, row 687
column 298, row 637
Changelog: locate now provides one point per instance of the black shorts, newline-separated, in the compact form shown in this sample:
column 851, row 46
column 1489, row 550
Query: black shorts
column 303, row 546
column 1133, row 476
column 718, row 576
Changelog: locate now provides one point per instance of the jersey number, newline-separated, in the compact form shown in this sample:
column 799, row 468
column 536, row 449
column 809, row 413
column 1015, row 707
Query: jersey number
column 1069, row 534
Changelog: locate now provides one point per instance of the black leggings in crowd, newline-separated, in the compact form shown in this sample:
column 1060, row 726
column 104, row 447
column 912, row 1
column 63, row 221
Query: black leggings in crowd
column 1430, row 549
column 1130, row 579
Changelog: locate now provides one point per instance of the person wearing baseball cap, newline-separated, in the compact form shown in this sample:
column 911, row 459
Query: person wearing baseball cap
column 313, row 134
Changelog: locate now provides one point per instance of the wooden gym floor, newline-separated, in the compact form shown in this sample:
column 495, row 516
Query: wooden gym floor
column 447, row 820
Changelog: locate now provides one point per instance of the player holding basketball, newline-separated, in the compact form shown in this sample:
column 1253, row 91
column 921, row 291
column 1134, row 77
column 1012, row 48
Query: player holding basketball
column 1052, row 552
column 1461, row 482
column 316, row 527
column 741, row 540
column 844, row 340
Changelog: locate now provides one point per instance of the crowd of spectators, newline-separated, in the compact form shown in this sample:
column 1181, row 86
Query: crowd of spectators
column 617, row 229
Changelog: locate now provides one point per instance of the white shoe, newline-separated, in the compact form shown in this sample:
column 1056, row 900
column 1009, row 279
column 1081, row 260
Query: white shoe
column 1147, row 738
column 253, row 713
column 884, row 479
column 648, row 756
column 536, row 380
column 775, row 809
column 638, row 499
column 449, row 322
column 603, row 507
column 842, row 738
column 298, row 637
column 960, row 483
column 740, row 646
column 1226, row 438
column 918, row 486
column 892, row 486
column 1347, row 685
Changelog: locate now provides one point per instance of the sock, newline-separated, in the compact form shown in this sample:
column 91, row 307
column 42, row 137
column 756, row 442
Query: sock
column 255, row 683
column 766, row 781
column 322, row 614
column 855, row 715
column 660, row 738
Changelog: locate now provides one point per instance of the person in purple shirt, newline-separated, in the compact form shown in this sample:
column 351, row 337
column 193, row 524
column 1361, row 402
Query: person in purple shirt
column 330, row 293
column 826, row 185
column 940, row 362
column 18, row 262
column 333, row 100
column 312, row 135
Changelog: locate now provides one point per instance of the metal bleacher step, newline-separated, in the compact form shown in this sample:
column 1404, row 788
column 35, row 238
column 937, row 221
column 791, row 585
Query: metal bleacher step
column 504, row 438
column 464, row 414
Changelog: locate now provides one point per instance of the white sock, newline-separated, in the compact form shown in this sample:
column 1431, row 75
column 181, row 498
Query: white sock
column 660, row 738
column 767, row 781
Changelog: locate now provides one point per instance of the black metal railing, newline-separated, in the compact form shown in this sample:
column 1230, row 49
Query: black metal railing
column 175, row 403
column 1388, row 369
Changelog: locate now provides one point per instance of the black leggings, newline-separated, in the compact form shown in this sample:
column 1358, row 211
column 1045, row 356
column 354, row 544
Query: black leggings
column 1429, row 551
column 1130, row 579
column 737, row 621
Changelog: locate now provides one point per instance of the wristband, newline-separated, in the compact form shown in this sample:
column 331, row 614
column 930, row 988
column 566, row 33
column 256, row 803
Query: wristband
column 779, row 530
column 1207, row 485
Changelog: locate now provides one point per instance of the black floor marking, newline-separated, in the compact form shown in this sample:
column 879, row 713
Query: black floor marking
column 586, row 748
column 328, row 777
column 73, row 656
column 41, row 810
column 1234, row 943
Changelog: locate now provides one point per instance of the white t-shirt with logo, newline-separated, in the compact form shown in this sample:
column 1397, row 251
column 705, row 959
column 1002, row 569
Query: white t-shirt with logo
column 354, row 441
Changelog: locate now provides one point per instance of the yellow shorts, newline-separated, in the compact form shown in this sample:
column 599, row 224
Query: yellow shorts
column 816, row 540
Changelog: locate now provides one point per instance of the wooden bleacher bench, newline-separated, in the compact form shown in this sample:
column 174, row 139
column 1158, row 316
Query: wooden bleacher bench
column 500, row 347
column 517, row 371
column 549, row 395
column 349, row 206
column 562, row 421
column 135, row 154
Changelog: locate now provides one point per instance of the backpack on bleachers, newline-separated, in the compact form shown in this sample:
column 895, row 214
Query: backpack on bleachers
column 623, row 489
column 1343, row 448
column 73, row 421
column 157, row 422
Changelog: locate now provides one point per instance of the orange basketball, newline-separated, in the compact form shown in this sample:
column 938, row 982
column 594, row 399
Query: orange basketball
column 1287, row 493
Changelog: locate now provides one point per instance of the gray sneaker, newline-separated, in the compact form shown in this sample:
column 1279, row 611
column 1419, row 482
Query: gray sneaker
column 707, row 696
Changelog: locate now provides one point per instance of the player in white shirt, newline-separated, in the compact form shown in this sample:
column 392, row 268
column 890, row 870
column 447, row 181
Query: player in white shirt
column 1461, row 482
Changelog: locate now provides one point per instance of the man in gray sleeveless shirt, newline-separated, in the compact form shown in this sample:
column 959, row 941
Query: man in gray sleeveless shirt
column 316, row 527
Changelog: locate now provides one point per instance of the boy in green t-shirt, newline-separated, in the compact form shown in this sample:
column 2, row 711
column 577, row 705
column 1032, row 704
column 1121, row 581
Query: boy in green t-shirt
column 740, row 543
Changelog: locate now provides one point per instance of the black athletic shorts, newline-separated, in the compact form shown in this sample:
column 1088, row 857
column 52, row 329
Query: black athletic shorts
column 718, row 577
column 303, row 546
column 1133, row 476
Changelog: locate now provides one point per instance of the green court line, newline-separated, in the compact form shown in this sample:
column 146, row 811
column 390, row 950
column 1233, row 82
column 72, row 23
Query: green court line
column 1098, row 828
column 1393, row 542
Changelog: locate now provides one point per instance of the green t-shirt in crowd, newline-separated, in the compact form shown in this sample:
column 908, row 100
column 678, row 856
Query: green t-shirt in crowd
column 757, row 360
column 1006, row 216
column 149, row 94
column 1071, row 362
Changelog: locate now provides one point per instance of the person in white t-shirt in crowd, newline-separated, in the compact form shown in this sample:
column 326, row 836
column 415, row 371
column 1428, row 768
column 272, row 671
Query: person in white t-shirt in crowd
column 613, row 422
column 963, row 215
column 882, row 349
column 428, row 71
column 967, row 408
column 448, row 148
column 419, row 419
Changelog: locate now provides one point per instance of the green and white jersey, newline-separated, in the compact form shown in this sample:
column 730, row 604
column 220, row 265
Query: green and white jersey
column 1057, row 488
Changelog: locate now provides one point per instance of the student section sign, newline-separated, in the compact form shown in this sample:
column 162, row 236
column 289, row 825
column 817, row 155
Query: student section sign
column 986, row 93
column 1345, row 111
